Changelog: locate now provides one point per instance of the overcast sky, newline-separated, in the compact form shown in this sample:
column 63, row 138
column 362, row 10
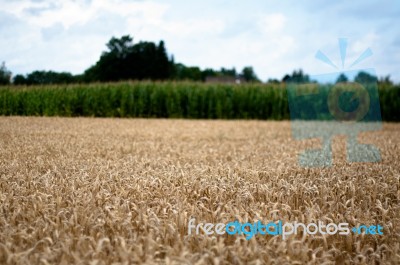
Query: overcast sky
column 275, row 37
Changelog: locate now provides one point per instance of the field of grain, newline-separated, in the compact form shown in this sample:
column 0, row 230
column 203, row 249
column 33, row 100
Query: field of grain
column 121, row 191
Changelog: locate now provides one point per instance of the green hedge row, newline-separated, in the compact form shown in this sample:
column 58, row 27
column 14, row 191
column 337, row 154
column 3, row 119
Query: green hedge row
column 163, row 100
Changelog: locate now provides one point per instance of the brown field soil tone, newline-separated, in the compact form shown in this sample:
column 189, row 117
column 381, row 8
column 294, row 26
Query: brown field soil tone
column 121, row 191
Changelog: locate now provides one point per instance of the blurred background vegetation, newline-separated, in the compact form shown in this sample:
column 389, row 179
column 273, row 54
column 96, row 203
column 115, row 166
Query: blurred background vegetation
column 141, row 80
column 125, row 60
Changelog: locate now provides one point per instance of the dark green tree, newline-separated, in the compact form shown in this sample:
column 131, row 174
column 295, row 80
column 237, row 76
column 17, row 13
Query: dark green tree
column 223, row 72
column 183, row 72
column 342, row 78
column 20, row 80
column 273, row 81
column 208, row 72
column 300, row 77
column 162, row 63
column 297, row 77
column 112, row 65
column 227, row 72
column 385, row 81
column 125, row 60
column 120, row 48
column 249, row 75
column 286, row 78
column 45, row 78
column 364, row 77
column 5, row 75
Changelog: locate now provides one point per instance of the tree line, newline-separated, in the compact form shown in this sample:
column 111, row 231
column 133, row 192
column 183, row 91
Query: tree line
column 125, row 60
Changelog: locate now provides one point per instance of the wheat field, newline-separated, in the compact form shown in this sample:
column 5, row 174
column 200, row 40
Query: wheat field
column 121, row 191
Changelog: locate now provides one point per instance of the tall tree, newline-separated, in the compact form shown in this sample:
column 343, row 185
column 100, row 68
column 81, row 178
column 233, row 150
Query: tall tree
column 342, row 78
column 249, row 75
column 364, row 77
column 20, row 80
column 5, row 75
column 125, row 60
column 162, row 63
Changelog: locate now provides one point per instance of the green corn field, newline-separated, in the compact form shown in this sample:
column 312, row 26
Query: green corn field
column 147, row 99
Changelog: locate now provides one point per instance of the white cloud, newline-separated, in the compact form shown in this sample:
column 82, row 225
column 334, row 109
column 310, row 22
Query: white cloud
column 193, row 27
column 272, row 23
column 72, row 12
column 273, row 37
